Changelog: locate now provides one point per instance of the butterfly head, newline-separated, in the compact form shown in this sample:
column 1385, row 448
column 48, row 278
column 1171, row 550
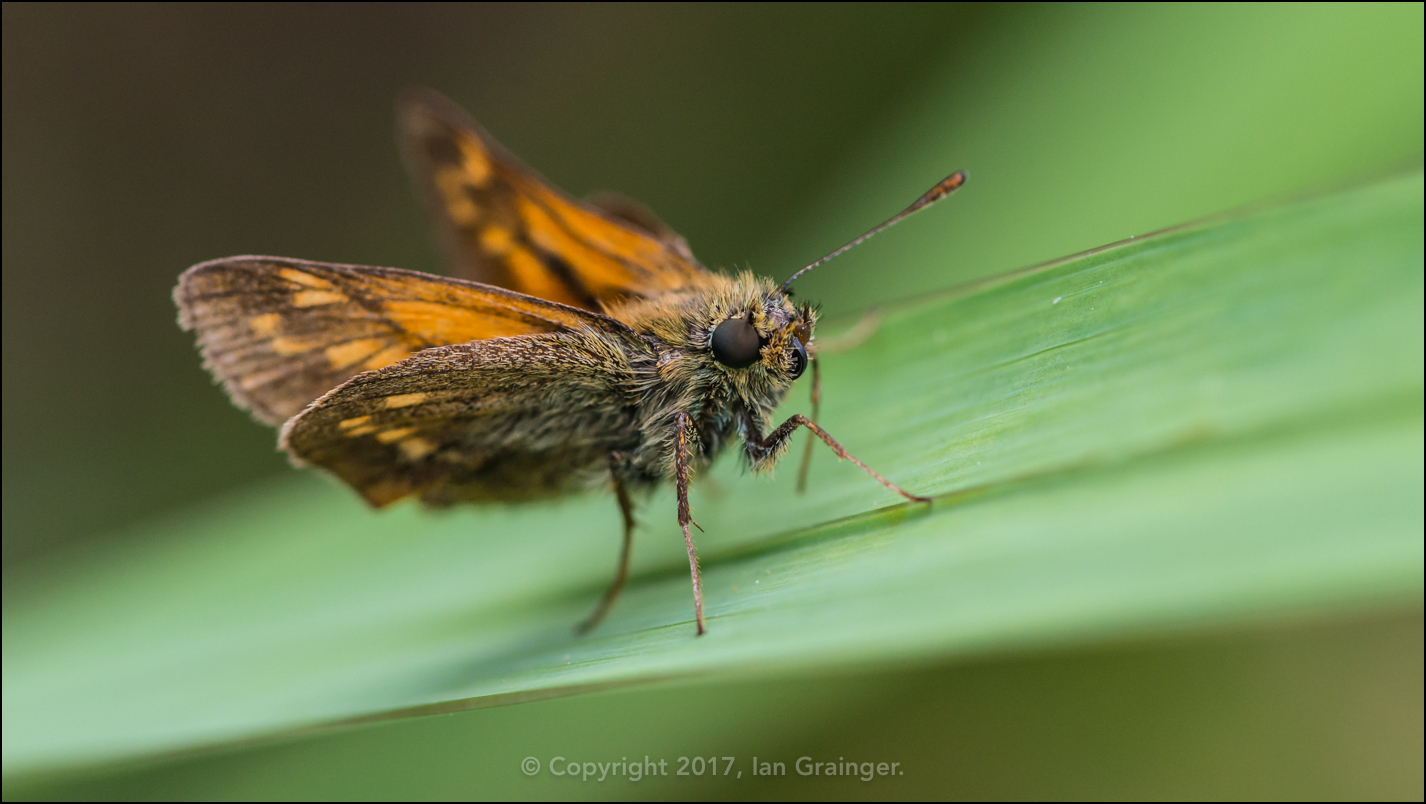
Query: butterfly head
column 756, row 336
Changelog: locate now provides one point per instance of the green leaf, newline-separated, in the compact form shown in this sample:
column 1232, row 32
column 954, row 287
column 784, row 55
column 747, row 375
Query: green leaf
column 1211, row 424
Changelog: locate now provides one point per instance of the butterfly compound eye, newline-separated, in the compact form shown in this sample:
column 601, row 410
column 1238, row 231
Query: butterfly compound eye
column 736, row 343
column 799, row 358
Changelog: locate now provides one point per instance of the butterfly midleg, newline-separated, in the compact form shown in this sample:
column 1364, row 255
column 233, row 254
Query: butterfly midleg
column 626, row 507
column 811, row 438
column 758, row 448
column 685, row 516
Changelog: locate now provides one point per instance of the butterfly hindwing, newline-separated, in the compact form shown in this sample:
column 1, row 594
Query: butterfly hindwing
column 279, row 332
column 501, row 224
column 502, row 419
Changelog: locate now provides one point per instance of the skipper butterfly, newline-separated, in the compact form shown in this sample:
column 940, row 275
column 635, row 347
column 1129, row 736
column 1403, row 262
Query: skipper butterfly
column 578, row 344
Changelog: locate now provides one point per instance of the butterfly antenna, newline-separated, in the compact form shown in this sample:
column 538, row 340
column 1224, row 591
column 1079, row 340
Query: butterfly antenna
column 942, row 189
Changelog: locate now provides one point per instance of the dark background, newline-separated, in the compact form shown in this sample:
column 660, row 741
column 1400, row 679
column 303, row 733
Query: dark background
column 139, row 140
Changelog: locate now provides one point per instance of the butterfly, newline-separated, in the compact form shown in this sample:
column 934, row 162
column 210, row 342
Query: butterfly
column 577, row 345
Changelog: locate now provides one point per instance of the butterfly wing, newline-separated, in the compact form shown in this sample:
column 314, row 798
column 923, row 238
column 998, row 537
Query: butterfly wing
column 279, row 333
column 502, row 419
column 501, row 224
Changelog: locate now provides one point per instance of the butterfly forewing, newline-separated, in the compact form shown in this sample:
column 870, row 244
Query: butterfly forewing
column 502, row 419
column 279, row 333
column 501, row 224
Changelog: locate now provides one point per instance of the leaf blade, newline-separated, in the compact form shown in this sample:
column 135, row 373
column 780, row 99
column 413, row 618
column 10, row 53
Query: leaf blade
column 1216, row 423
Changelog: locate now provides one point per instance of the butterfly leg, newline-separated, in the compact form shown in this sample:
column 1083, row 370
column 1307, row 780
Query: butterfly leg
column 760, row 448
column 626, row 507
column 865, row 328
column 811, row 438
column 685, row 516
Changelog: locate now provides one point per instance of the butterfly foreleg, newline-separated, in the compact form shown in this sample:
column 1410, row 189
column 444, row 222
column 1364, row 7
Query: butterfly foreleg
column 682, row 472
column 761, row 448
column 811, row 437
column 626, row 507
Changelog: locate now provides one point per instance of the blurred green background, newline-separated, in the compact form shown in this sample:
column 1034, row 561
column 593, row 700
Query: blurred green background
column 138, row 140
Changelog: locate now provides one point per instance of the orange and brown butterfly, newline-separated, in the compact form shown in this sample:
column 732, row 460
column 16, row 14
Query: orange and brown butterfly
column 578, row 345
